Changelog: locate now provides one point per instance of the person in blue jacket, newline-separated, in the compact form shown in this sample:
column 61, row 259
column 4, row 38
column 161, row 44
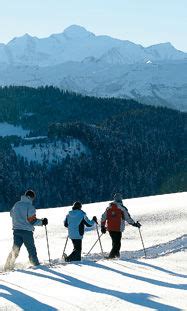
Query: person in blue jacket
column 75, row 221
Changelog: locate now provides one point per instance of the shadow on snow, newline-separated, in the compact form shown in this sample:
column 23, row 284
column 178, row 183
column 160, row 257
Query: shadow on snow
column 25, row 302
column 143, row 299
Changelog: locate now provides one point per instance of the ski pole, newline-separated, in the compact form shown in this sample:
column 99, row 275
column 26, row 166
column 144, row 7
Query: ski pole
column 65, row 246
column 142, row 242
column 99, row 240
column 94, row 244
column 47, row 245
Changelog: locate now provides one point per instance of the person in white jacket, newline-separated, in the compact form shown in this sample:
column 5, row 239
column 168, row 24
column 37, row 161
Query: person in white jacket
column 24, row 219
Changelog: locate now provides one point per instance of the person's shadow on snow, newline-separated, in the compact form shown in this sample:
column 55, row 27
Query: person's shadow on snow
column 22, row 300
column 158, row 268
column 142, row 299
column 137, row 277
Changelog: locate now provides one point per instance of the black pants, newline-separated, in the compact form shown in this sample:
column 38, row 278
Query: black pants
column 116, row 243
column 77, row 248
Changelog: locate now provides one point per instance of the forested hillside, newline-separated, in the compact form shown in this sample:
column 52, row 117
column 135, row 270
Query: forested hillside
column 131, row 148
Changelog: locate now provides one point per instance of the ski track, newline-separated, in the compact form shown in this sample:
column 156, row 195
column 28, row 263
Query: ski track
column 56, row 273
column 177, row 245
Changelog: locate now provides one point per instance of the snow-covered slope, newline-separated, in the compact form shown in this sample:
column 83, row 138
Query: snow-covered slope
column 157, row 282
column 7, row 129
column 50, row 152
column 152, row 83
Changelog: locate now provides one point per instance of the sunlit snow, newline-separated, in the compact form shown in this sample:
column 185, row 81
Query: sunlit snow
column 51, row 152
column 133, row 282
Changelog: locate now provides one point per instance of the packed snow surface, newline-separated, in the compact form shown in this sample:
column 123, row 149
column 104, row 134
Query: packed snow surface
column 157, row 282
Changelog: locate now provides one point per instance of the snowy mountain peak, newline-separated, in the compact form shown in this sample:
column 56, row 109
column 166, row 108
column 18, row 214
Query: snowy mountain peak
column 82, row 54
column 75, row 31
column 164, row 45
column 26, row 35
column 20, row 40
column 166, row 51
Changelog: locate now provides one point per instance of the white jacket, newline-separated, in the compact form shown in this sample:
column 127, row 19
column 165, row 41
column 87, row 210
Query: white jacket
column 23, row 215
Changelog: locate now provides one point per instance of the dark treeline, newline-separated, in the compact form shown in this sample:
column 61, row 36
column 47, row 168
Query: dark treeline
column 37, row 108
column 134, row 149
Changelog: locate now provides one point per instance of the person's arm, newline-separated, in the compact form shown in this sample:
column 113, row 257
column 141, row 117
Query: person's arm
column 129, row 219
column 127, row 216
column 103, row 219
column 31, row 217
column 103, row 222
column 11, row 212
column 87, row 221
column 66, row 222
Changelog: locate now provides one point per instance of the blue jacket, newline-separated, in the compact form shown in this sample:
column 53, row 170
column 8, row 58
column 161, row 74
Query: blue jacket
column 75, row 221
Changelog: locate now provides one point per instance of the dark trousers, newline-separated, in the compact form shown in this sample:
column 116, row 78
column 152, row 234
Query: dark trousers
column 116, row 243
column 77, row 248
column 22, row 237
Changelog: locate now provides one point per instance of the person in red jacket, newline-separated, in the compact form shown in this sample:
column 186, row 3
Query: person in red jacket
column 113, row 220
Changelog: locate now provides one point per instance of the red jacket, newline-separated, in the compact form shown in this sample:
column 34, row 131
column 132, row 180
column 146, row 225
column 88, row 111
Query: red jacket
column 114, row 217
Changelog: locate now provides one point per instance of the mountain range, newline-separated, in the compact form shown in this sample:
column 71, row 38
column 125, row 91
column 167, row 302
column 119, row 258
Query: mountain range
column 78, row 60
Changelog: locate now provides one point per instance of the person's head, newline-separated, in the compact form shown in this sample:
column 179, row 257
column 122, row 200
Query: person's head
column 77, row 205
column 118, row 197
column 30, row 194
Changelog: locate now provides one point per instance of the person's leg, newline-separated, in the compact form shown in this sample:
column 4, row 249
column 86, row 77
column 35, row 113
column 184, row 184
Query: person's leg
column 76, row 253
column 28, row 241
column 112, row 252
column 78, row 248
column 17, row 243
column 116, row 244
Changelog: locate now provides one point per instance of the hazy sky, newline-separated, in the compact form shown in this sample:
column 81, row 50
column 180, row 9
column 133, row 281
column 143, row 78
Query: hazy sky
column 141, row 21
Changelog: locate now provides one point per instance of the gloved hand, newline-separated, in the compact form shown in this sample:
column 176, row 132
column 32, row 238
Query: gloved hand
column 44, row 221
column 137, row 224
column 103, row 230
column 95, row 219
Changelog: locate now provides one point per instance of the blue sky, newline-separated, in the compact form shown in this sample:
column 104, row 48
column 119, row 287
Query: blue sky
column 142, row 21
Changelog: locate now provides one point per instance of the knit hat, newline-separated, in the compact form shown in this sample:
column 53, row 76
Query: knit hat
column 30, row 193
column 118, row 197
column 77, row 205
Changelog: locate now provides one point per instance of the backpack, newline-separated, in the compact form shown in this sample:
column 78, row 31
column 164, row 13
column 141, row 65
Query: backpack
column 115, row 216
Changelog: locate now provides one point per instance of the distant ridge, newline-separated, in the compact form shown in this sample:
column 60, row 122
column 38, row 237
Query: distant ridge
column 75, row 43
column 80, row 61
